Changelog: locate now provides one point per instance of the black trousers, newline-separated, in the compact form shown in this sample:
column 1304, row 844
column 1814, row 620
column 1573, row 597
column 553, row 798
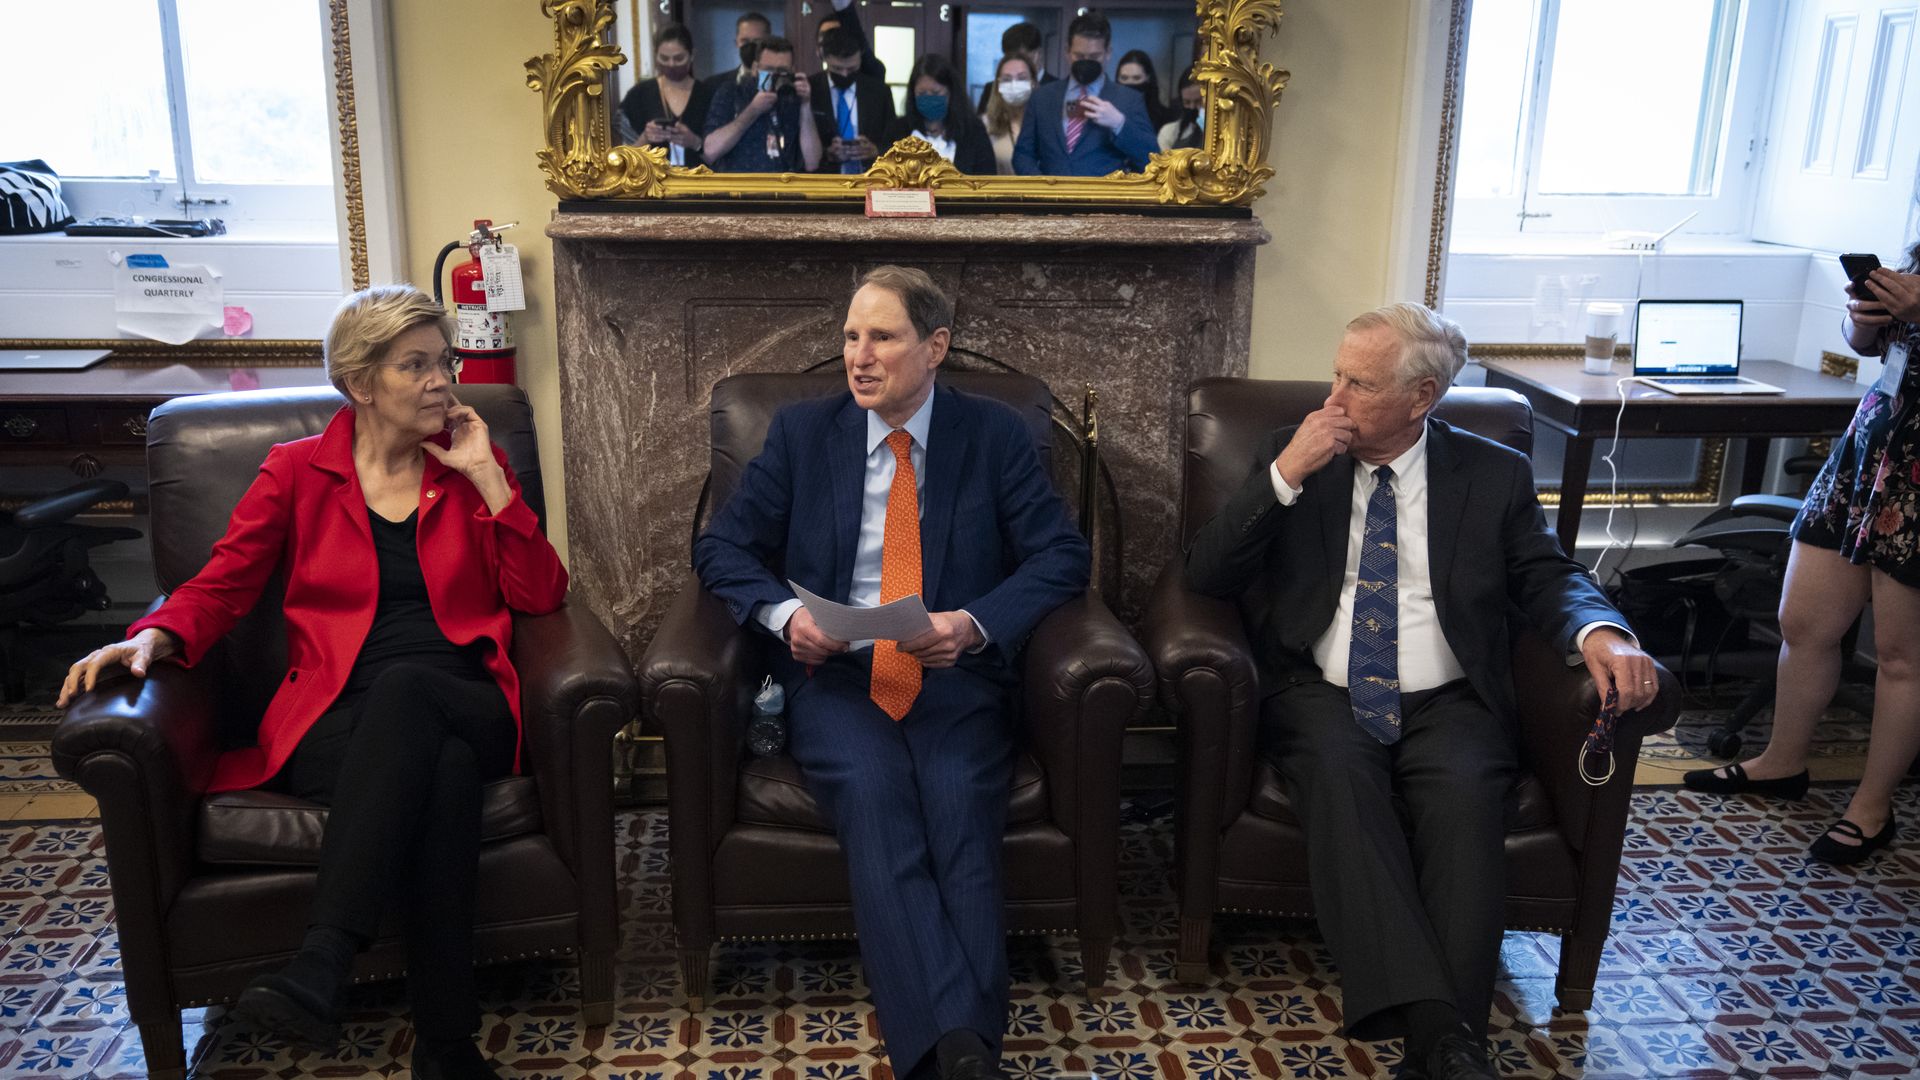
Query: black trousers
column 1411, row 906
column 401, row 766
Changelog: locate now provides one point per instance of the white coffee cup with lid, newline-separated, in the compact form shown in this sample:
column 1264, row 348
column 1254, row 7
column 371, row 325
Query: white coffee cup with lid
column 1603, row 333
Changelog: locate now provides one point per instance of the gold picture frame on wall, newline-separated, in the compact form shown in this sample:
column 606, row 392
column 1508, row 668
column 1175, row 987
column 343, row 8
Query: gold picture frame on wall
column 1231, row 169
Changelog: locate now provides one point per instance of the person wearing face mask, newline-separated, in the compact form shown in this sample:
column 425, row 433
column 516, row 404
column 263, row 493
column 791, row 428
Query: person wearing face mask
column 1188, row 126
column 1135, row 70
column 748, row 28
column 670, row 109
column 937, row 112
column 1024, row 40
column 1088, row 125
column 852, row 110
column 1007, row 97
column 763, row 124
column 846, row 15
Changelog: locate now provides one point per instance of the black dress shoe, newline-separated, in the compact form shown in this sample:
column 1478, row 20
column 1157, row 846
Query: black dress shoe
column 1457, row 1057
column 1736, row 782
column 455, row 1061
column 1829, row 850
column 964, row 1055
column 289, row 1009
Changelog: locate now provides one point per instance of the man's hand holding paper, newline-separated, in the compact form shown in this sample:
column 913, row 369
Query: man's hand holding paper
column 903, row 620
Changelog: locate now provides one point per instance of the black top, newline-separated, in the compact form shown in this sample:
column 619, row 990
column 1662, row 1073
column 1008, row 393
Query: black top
column 403, row 626
column 972, row 146
column 644, row 102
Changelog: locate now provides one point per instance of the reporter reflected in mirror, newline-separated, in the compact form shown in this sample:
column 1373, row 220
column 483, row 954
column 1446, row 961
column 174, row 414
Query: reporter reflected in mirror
column 747, row 29
column 853, row 111
column 1855, row 540
column 670, row 109
column 907, row 746
column 846, row 16
column 1006, row 108
column 405, row 548
column 1022, row 39
column 1188, row 127
column 1088, row 125
column 1382, row 642
column 764, row 123
column 1135, row 72
column 937, row 112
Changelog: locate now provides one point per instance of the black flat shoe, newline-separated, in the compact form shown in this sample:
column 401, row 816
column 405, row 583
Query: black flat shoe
column 283, row 1007
column 1736, row 782
column 1457, row 1057
column 1829, row 850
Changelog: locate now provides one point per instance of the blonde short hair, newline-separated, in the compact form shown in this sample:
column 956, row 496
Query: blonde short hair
column 1431, row 345
column 366, row 324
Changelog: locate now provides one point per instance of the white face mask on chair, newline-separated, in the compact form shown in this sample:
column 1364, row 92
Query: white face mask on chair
column 1016, row 91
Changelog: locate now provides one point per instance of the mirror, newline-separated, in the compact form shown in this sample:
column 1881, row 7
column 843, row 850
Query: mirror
column 726, row 98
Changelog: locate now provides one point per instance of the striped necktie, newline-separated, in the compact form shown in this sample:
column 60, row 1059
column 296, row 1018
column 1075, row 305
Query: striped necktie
column 1076, row 124
column 1373, row 656
column 896, row 676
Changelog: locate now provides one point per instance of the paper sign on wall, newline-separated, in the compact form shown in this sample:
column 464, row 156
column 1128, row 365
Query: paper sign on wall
column 174, row 304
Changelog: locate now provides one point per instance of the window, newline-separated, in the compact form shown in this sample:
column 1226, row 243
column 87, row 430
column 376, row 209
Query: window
column 1587, row 115
column 195, row 100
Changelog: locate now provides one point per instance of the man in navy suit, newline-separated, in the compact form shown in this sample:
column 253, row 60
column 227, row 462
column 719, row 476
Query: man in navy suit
column 899, row 486
column 1088, row 125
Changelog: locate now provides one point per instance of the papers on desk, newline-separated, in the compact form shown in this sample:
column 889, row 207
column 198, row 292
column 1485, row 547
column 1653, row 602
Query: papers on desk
column 902, row 620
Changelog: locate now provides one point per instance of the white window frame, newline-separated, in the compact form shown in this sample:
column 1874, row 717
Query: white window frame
column 1727, row 210
column 293, row 210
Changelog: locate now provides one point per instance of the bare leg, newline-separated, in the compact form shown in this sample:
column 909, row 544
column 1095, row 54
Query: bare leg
column 1896, row 705
column 1823, row 594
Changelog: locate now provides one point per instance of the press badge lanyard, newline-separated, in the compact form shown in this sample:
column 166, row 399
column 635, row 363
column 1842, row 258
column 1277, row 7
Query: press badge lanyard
column 1599, row 740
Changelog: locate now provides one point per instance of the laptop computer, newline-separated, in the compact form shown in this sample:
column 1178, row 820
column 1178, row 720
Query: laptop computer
column 1691, row 347
column 51, row 359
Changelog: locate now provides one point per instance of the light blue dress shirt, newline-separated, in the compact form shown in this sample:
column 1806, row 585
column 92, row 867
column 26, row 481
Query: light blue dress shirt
column 1074, row 92
column 874, row 494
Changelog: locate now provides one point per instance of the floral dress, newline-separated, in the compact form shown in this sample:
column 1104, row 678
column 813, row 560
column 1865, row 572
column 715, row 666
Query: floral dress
column 1865, row 503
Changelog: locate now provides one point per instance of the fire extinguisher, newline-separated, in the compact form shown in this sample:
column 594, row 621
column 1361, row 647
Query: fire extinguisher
column 483, row 342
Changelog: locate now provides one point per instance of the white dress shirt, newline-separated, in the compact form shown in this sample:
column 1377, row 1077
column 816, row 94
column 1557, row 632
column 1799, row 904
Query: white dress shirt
column 874, row 493
column 1426, row 660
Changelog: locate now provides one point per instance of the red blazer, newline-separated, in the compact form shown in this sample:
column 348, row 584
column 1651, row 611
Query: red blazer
column 305, row 511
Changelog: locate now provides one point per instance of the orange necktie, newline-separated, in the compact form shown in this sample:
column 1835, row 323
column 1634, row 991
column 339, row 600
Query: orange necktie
column 896, row 676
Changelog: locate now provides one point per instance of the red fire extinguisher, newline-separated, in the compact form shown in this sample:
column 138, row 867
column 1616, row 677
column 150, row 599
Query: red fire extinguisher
column 483, row 342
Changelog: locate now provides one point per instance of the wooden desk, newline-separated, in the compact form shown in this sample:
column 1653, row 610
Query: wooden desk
column 1583, row 407
column 86, row 420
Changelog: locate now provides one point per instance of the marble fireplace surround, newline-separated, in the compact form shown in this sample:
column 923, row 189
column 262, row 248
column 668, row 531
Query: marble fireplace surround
column 653, row 309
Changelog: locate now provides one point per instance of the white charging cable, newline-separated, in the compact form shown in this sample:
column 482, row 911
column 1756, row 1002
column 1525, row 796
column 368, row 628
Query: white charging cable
column 1613, row 475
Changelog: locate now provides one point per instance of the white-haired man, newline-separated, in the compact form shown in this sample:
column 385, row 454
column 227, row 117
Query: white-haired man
column 1386, row 548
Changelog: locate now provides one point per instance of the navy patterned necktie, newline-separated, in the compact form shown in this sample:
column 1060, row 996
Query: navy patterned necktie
column 1373, row 657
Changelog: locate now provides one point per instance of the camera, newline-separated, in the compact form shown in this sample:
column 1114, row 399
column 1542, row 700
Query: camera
column 780, row 82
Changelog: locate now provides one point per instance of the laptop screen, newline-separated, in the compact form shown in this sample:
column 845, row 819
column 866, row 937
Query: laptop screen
column 1686, row 337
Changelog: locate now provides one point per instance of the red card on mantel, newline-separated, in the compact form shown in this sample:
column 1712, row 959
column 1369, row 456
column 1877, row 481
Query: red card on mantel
column 899, row 202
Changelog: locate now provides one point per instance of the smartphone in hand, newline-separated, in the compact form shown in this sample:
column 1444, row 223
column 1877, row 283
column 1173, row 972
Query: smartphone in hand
column 1857, row 266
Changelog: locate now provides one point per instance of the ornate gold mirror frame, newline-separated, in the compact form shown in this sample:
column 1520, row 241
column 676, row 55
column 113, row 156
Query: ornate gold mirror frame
column 1230, row 170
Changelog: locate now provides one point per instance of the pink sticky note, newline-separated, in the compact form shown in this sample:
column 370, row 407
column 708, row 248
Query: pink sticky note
column 243, row 378
column 238, row 321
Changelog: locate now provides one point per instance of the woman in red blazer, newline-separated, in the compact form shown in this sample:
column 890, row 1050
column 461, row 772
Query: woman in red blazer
column 406, row 547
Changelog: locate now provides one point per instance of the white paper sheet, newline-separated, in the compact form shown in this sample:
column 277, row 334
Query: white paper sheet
column 902, row 620
column 174, row 304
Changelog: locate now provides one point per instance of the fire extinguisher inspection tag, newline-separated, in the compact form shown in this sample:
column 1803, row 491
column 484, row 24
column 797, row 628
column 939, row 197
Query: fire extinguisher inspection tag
column 500, row 274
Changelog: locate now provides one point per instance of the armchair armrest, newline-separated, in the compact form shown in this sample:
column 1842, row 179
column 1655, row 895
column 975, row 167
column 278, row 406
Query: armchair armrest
column 1556, row 705
column 1084, row 681
column 145, row 750
column 1205, row 663
column 576, row 690
column 696, row 684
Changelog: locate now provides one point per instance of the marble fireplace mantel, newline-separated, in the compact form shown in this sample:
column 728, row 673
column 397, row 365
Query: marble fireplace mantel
column 654, row 308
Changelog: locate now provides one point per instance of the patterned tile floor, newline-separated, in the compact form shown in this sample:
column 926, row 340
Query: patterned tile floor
column 1733, row 956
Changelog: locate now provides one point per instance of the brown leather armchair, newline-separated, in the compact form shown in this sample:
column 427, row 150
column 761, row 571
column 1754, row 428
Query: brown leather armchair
column 1239, row 847
column 210, row 890
column 752, row 855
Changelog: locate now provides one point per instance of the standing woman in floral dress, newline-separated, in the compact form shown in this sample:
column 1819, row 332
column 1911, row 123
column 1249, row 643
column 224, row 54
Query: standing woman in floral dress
column 1857, row 537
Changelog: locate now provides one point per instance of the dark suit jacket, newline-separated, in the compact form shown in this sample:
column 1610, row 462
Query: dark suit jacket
column 972, row 146
column 872, row 113
column 1041, row 149
column 994, row 535
column 1491, row 557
